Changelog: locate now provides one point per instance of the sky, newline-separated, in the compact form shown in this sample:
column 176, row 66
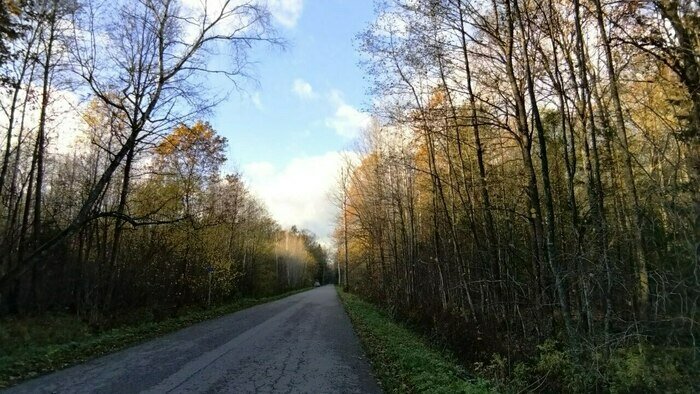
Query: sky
column 291, row 126
column 287, row 131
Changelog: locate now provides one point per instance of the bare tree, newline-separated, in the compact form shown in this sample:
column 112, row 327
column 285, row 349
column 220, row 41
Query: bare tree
column 143, row 61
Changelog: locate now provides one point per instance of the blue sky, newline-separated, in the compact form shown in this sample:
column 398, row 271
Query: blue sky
column 287, row 132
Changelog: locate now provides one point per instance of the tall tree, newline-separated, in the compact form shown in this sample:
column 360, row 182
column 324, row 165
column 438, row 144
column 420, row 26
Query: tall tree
column 150, row 55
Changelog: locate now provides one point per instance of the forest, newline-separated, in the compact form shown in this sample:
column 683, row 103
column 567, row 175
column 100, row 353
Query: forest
column 527, row 193
column 137, row 216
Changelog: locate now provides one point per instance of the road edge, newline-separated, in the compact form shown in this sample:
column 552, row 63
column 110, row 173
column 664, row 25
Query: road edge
column 401, row 360
column 55, row 357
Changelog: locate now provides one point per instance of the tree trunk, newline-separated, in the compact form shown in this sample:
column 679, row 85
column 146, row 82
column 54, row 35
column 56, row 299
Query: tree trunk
column 628, row 175
column 552, row 247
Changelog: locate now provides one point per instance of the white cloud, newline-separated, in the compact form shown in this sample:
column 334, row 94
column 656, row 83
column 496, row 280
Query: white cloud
column 259, row 170
column 198, row 13
column 303, row 89
column 347, row 121
column 257, row 101
column 68, row 125
column 286, row 12
column 392, row 24
column 299, row 193
column 64, row 122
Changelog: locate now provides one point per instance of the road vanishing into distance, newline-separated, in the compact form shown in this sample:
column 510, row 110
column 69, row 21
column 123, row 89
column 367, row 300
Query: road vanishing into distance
column 300, row 344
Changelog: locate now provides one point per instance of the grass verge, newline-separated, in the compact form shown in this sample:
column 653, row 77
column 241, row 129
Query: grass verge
column 31, row 347
column 403, row 361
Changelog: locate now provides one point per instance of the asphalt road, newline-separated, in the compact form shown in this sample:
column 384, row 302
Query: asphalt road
column 300, row 344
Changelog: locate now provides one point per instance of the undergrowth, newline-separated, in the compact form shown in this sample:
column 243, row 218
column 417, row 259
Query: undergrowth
column 403, row 361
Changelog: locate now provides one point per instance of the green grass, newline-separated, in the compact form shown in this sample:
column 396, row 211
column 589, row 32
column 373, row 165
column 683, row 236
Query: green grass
column 403, row 361
column 33, row 346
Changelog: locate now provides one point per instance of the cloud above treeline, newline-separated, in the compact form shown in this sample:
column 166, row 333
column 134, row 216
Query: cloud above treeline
column 347, row 121
column 300, row 193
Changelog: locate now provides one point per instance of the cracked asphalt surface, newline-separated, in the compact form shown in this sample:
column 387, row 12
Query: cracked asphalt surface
column 300, row 344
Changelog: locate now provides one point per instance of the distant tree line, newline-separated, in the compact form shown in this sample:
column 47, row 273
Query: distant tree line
column 137, row 213
column 532, row 178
